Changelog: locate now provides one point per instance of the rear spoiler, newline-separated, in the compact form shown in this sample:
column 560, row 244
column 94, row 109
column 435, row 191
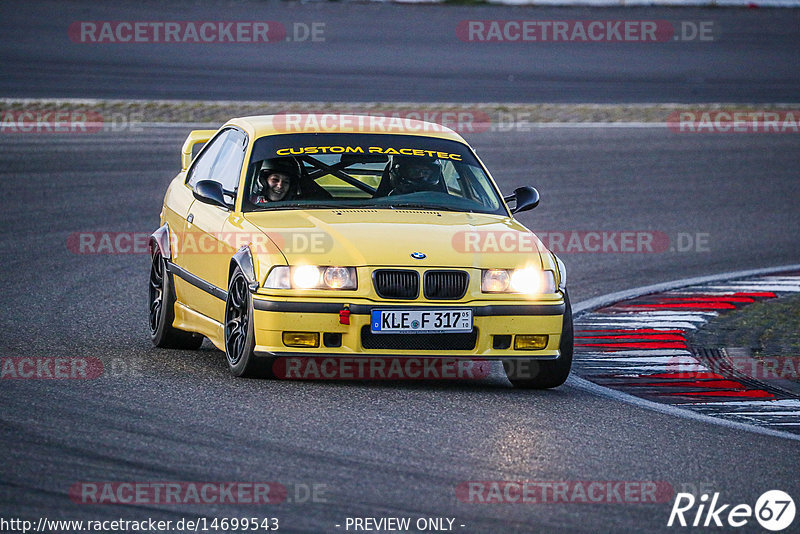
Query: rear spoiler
column 195, row 136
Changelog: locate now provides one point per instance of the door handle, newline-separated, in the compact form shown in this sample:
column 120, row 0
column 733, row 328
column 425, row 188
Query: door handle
column 190, row 218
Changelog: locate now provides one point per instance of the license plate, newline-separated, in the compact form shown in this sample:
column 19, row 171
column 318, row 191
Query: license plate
column 421, row 321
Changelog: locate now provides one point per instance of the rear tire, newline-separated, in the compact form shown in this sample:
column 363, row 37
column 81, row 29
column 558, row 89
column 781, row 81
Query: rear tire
column 546, row 374
column 162, row 310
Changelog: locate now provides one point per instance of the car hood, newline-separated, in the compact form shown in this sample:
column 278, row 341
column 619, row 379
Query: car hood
column 384, row 237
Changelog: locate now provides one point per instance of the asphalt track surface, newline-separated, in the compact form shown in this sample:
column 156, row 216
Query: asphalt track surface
column 392, row 52
column 379, row 449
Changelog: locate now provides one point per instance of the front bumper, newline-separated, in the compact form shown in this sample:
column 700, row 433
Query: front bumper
column 273, row 317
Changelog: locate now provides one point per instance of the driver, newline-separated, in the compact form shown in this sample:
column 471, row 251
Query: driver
column 276, row 179
column 409, row 174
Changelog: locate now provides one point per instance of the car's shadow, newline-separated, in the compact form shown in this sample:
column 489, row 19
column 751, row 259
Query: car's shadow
column 208, row 361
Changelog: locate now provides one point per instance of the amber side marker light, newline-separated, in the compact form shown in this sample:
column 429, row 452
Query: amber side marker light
column 530, row 341
column 301, row 339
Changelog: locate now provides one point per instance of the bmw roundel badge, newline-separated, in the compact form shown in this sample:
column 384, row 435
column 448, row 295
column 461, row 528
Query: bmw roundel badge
column 418, row 255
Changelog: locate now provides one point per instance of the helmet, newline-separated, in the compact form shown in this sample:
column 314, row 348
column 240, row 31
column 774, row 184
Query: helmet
column 286, row 166
column 411, row 174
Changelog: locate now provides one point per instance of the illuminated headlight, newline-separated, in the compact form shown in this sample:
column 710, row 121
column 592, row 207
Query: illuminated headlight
column 306, row 277
column 529, row 281
column 311, row 277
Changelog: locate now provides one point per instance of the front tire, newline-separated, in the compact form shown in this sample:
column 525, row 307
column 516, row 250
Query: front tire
column 162, row 310
column 546, row 374
column 239, row 331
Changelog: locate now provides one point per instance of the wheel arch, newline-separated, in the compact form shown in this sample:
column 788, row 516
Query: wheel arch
column 244, row 260
column 161, row 239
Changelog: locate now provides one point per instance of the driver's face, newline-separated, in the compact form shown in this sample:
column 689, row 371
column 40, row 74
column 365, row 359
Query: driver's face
column 278, row 185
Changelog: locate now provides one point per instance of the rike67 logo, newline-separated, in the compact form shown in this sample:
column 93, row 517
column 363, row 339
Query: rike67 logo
column 774, row 510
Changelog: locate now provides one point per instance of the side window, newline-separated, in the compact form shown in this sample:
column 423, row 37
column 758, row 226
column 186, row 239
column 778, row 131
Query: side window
column 451, row 179
column 477, row 185
column 221, row 161
column 201, row 170
column 228, row 165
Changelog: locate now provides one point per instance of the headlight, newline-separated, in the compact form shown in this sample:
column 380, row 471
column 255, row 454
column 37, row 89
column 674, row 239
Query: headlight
column 306, row 277
column 278, row 279
column 339, row 278
column 528, row 281
column 311, row 277
column 495, row 281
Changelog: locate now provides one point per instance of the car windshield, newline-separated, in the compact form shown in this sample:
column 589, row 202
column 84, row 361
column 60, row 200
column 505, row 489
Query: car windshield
column 367, row 171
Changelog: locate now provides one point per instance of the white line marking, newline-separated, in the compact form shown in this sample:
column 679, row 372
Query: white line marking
column 635, row 372
column 674, row 353
column 681, row 315
column 762, row 413
column 676, row 360
column 781, row 403
column 584, row 323
column 761, row 287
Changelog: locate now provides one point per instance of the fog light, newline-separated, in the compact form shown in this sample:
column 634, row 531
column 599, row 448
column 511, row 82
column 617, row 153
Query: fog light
column 301, row 339
column 530, row 342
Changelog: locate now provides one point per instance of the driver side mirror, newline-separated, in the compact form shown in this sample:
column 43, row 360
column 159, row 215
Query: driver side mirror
column 210, row 192
column 526, row 198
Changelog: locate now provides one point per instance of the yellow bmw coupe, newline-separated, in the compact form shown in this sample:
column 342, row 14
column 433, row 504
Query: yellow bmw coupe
column 351, row 236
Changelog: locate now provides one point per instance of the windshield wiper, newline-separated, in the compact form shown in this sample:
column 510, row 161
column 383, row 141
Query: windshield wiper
column 315, row 205
column 426, row 207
